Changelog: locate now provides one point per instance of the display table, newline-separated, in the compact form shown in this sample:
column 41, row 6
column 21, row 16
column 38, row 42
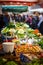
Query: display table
column 20, row 57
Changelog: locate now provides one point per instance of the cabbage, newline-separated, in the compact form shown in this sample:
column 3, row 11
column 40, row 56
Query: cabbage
column 20, row 31
column 25, row 25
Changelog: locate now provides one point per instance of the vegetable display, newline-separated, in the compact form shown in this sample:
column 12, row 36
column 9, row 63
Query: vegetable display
column 19, row 29
column 22, row 32
column 32, row 40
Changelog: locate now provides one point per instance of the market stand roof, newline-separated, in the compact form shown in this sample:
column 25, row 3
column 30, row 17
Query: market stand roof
column 40, row 10
column 15, row 8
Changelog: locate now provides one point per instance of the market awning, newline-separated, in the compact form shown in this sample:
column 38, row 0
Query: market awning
column 15, row 8
column 40, row 10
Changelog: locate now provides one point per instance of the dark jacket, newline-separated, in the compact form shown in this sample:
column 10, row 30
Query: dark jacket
column 6, row 19
column 35, row 22
column 41, row 28
column 1, row 22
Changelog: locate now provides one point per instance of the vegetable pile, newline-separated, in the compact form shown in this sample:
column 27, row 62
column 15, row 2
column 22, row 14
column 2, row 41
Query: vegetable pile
column 22, row 31
column 19, row 29
column 5, row 62
column 36, row 62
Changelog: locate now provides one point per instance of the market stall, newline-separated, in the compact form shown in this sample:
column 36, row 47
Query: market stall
column 22, row 45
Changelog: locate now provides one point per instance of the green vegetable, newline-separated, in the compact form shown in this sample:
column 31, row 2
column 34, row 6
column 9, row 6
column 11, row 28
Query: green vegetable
column 2, row 62
column 21, row 35
column 11, row 26
column 36, row 62
column 5, row 30
column 11, row 63
column 41, row 43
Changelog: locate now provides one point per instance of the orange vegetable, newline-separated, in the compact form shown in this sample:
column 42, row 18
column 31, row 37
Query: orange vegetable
column 36, row 31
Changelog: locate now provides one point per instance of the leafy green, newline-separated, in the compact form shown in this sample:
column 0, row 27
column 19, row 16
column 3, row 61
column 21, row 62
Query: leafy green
column 41, row 43
column 36, row 62
column 2, row 62
column 11, row 63
column 5, row 30
column 21, row 35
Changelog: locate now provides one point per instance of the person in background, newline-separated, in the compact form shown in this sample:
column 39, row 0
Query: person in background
column 40, row 24
column 35, row 20
column 1, row 22
column 12, row 19
column 29, row 20
column 23, row 18
column 16, row 18
column 6, row 18
column 19, row 18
